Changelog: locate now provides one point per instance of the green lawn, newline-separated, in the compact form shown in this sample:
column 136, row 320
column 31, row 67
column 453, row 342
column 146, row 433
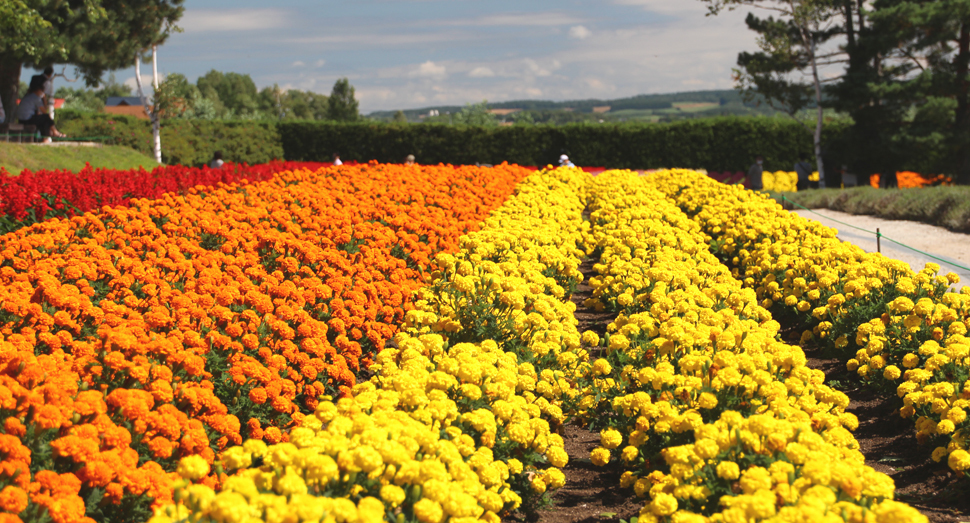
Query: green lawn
column 15, row 157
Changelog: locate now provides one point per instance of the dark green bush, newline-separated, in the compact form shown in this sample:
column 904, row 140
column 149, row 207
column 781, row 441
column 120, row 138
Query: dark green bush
column 716, row 144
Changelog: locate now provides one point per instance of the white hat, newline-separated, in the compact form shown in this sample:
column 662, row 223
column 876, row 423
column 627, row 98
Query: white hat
column 563, row 158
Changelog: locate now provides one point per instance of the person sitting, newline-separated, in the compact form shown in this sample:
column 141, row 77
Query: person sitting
column 564, row 161
column 336, row 159
column 216, row 161
column 32, row 111
column 409, row 160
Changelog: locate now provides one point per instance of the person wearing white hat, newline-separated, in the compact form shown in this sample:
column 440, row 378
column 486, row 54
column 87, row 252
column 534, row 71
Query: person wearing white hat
column 564, row 161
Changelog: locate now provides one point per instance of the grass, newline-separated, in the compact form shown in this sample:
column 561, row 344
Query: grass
column 15, row 157
column 947, row 207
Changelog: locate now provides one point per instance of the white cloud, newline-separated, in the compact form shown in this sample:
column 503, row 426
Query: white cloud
column 382, row 40
column 534, row 69
column 298, row 63
column 481, row 72
column 212, row 20
column 429, row 69
column 319, row 63
column 521, row 20
column 579, row 32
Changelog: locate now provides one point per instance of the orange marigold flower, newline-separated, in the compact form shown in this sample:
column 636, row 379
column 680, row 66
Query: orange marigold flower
column 13, row 499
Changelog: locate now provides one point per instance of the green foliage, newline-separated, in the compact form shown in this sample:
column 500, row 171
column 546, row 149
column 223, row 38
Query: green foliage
column 185, row 142
column 719, row 144
column 342, row 106
column 947, row 207
column 230, row 91
column 475, row 114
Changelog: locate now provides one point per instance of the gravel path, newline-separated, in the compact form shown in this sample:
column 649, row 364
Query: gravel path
column 953, row 247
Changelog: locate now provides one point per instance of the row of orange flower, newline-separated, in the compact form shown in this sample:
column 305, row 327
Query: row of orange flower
column 137, row 336
column 909, row 179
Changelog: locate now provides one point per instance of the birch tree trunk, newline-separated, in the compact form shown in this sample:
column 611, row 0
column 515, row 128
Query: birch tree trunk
column 156, row 119
column 149, row 110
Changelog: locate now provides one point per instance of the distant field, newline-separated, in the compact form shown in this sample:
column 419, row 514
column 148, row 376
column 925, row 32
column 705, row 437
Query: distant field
column 693, row 107
column 16, row 157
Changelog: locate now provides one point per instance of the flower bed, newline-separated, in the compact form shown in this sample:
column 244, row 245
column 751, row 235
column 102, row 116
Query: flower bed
column 909, row 179
column 712, row 415
column 457, row 423
column 901, row 332
column 178, row 326
column 35, row 196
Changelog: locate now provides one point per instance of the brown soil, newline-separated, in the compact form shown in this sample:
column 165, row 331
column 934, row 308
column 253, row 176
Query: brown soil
column 591, row 493
column 889, row 444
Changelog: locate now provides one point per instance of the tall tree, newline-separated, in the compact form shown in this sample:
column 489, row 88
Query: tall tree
column 790, row 42
column 342, row 106
column 93, row 35
column 925, row 70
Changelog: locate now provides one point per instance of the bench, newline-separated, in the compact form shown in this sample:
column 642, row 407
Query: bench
column 16, row 131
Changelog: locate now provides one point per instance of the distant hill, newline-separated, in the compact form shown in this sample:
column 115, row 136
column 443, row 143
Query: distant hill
column 644, row 107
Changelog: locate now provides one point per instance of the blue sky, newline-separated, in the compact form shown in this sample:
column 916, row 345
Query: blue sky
column 414, row 53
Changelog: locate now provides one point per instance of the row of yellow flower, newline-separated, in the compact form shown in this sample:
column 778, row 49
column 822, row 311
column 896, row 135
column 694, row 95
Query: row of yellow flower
column 713, row 418
column 458, row 422
column 783, row 181
column 900, row 331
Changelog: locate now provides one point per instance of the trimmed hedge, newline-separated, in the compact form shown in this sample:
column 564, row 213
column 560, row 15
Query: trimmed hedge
column 184, row 142
column 714, row 144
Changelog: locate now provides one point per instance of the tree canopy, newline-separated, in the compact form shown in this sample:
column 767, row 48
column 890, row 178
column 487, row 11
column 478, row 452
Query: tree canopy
column 342, row 105
column 93, row 35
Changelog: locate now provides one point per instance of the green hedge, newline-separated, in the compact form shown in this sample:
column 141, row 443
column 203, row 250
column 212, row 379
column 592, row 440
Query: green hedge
column 184, row 142
column 716, row 144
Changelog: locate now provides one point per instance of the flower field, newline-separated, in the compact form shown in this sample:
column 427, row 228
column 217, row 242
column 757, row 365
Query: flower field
column 388, row 343
column 35, row 196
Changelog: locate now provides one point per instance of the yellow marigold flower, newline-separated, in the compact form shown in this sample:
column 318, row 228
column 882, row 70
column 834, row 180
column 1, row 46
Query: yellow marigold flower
column 629, row 453
column 627, row 479
column 590, row 338
column 707, row 400
column 945, row 427
column 193, row 467
column 428, row 511
column 555, row 479
column 600, row 456
column 663, row 504
column 910, row 360
column 370, row 510
column 938, row 454
column 601, row 367
column 619, row 342
column 611, row 438
column 557, row 456
column 728, row 470
column 959, row 460
column 393, row 494
column 755, row 479
column 892, row 373
column 515, row 466
column 538, row 485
